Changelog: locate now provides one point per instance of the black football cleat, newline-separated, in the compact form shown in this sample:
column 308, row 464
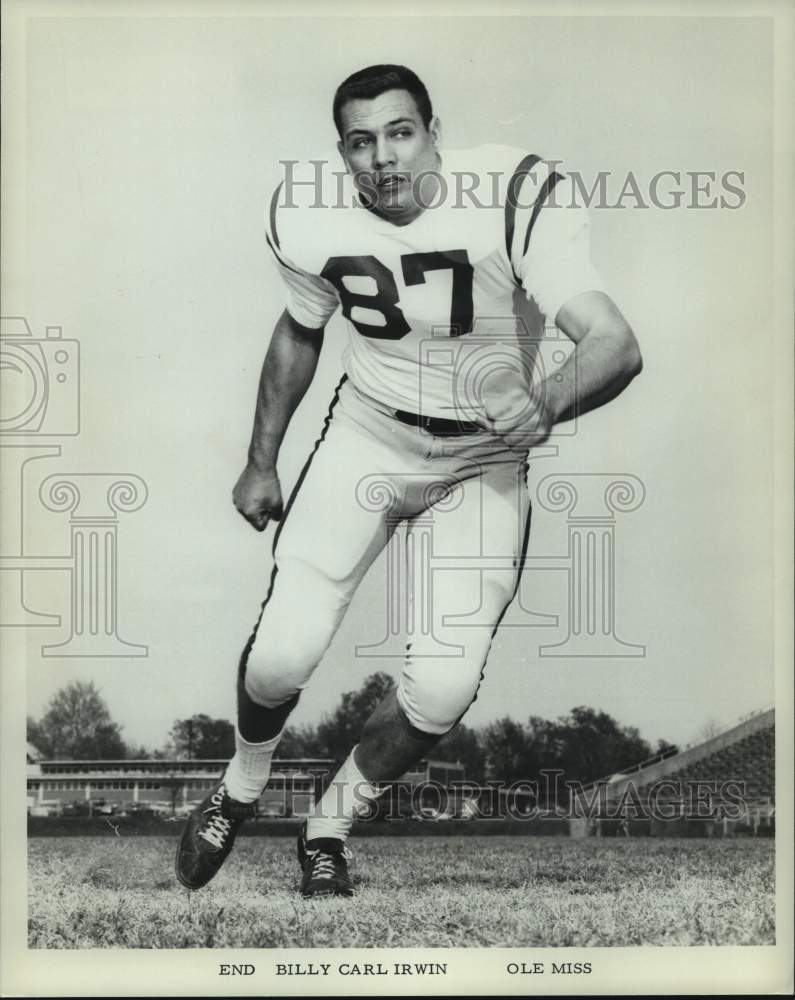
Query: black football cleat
column 324, row 864
column 209, row 835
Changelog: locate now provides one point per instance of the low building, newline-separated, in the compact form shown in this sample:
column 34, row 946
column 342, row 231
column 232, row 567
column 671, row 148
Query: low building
column 173, row 787
column 170, row 786
column 429, row 790
column 440, row 772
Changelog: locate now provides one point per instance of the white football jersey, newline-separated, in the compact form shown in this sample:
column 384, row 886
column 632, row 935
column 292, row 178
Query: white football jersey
column 440, row 306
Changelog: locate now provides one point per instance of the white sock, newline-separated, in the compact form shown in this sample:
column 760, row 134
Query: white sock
column 345, row 798
column 248, row 771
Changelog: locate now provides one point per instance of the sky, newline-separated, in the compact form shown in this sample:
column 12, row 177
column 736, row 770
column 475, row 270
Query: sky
column 150, row 151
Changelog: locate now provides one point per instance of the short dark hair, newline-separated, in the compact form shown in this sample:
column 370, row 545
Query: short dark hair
column 368, row 83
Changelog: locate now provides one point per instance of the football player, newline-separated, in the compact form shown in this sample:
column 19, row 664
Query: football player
column 437, row 258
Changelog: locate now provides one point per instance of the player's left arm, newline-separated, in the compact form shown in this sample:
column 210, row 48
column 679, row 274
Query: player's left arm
column 551, row 257
column 605, row 360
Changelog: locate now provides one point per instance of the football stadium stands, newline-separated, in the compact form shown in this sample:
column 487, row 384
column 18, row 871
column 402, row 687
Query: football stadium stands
column 724, row 785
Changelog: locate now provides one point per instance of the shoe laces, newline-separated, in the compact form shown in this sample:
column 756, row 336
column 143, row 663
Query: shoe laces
column 324, row 864
column 218, row 826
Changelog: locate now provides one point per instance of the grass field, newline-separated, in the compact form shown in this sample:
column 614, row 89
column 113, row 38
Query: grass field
column 420, row 891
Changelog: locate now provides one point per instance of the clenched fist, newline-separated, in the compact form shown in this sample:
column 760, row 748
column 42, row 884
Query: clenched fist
column 520, row 415
column 258, row 496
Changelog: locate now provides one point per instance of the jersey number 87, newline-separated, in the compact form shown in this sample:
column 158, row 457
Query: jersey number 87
column 385, row 300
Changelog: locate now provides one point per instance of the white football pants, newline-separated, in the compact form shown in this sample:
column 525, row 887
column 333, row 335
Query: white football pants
column 369, row 472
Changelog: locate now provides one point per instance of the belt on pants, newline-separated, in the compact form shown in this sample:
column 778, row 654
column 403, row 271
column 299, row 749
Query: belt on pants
column 438, row 425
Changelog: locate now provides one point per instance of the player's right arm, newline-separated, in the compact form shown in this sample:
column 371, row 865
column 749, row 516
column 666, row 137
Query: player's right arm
column 287, row 371
column 291, row 359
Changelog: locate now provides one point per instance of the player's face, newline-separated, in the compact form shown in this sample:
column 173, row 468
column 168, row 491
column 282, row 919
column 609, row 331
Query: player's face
column 391, row 154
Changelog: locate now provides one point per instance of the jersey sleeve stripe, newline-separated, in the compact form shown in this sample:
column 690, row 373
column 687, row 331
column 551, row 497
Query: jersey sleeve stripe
column 546, row 189
column 279, row 257
column 511, row 200
column 274, row 201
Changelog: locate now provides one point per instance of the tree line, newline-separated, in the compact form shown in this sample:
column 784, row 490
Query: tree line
column 584, row 745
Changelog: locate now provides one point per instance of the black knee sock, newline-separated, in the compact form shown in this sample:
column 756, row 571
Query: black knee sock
column 255, row 723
